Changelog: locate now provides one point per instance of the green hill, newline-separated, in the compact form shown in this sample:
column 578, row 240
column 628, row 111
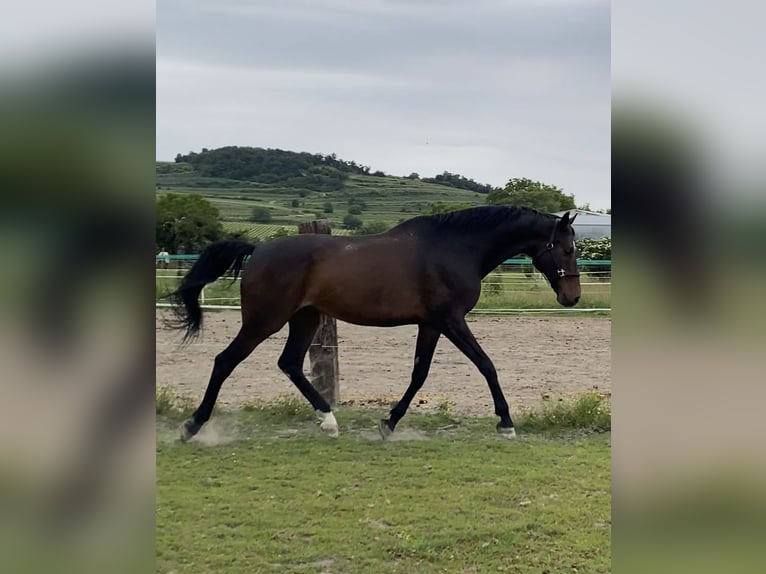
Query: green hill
column 301, row 187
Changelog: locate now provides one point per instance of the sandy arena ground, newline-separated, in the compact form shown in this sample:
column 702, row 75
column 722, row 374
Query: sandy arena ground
column 533, row 356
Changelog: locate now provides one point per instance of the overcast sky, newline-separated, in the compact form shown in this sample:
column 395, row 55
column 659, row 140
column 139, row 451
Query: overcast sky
column 490, row 89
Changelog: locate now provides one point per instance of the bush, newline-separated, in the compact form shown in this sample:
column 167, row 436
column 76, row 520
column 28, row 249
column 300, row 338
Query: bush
column 281, row 232
column 237, row 235
column 328, row 208
column 592, row 410
column 356, row 202
column 352, row 221
column 261, row 215
column 596, row 249
column 373, row 227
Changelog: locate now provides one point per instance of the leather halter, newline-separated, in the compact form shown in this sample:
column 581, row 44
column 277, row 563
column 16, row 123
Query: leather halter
column 560, row 271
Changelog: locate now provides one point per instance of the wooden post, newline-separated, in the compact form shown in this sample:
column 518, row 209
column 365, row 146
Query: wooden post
column 323, row 353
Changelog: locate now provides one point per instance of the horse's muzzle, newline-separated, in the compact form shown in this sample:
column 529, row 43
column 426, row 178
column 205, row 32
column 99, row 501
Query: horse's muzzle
column 567, row 301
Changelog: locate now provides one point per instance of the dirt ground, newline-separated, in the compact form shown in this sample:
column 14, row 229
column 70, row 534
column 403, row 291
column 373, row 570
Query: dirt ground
column 533, row 357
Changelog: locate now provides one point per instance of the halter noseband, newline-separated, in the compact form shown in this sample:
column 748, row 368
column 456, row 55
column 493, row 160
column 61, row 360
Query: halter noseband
column 560, row 271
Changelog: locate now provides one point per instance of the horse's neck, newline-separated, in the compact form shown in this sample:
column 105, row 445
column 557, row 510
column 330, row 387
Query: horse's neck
column 506, row 241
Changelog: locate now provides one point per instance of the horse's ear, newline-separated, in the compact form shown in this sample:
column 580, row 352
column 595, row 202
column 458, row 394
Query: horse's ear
column 571, row 221
column 564, row 220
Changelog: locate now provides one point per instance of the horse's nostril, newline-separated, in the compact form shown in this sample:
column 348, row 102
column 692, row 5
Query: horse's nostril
column 576, row 299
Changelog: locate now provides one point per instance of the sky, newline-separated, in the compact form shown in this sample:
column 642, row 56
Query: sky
column 489, row 89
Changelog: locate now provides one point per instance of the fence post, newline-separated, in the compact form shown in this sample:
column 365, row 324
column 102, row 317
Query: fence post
column 323, row 353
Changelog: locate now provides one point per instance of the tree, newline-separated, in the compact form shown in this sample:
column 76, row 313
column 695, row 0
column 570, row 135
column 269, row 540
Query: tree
column 261, row 215
column 528, row 193
column 291, row 169
column 328, row 208
column 457, row 180
column 187, row 223
column 352, row 221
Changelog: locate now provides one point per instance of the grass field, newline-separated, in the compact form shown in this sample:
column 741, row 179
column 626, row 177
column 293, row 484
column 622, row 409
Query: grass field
column 263, row 490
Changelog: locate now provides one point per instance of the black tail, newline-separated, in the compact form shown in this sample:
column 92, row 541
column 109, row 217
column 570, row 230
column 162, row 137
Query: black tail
column 213, row 262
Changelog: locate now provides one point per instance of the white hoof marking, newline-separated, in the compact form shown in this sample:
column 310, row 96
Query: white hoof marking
column 328, row 423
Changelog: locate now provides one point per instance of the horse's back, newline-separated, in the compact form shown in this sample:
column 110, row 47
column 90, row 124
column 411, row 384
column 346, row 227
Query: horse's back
column 386, row 279
column 364, row 279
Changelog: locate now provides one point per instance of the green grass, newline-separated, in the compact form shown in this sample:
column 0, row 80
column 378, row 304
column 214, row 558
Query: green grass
column 263, row 490
column 516, row 290
column 591, row 410
column 172, row 405
column 221, row 292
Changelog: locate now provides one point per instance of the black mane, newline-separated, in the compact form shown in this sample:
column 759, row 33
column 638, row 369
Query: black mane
column 476, row 218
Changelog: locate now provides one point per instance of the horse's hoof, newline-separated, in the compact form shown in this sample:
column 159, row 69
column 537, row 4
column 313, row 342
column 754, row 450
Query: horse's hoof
column 329, row 425
column 331, row 431
column 385, row 430
column 188, row 429
column 507, row 432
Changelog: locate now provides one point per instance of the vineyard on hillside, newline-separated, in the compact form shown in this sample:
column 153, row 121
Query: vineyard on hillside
column 264, row 231
column 373, row 199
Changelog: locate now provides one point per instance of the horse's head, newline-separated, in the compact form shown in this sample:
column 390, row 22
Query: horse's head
column 557, row 260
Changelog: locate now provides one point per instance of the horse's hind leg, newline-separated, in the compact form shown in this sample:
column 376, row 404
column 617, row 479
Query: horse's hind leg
column 243, row 344
column 424, row 353
column 457, row 331
column 303, row 326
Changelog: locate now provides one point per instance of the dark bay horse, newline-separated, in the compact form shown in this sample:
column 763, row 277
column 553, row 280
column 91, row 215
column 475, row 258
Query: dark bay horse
column 426, row 271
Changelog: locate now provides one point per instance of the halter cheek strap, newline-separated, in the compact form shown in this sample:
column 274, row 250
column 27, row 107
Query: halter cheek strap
column 560, row 271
